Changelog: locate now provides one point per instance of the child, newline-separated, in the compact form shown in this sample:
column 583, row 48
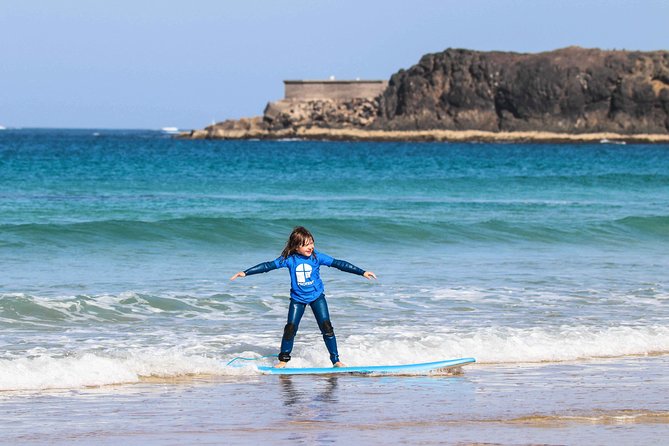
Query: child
column 303, row 263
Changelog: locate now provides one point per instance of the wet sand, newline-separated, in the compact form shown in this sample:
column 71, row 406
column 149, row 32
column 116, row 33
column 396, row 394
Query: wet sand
column 615, row 401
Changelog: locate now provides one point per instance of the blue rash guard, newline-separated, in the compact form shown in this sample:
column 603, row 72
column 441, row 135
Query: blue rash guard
column 305, row 281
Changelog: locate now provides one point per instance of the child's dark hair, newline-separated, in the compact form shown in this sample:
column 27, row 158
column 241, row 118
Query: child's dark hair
column 299, row 237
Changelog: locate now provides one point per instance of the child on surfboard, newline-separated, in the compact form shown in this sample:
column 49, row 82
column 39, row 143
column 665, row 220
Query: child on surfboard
column 303, row 263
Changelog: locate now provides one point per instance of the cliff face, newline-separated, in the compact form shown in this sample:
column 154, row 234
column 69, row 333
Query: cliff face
column 572, row 90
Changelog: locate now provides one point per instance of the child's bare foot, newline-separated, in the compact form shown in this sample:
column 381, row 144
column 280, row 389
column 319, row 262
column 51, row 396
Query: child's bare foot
column 280, row 365
column 339, row 364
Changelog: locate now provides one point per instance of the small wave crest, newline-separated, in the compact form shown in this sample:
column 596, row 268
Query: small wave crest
column 26, row 310
column 91, row 369
column 259, row 233
column 381, row 346
column 649, row 226
column 194, row 229
column 512, row 345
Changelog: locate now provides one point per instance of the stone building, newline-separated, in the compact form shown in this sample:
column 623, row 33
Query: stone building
column 306, row 90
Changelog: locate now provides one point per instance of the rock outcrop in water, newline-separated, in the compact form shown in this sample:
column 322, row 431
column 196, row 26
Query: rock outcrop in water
column 289, row 118
column 572, row 90
column 567, row 91
column 325, row 113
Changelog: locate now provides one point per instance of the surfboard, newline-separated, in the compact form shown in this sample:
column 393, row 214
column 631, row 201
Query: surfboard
column 407, row 369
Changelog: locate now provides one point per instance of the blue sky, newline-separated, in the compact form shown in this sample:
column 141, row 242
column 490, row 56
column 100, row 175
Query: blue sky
column 150, row 64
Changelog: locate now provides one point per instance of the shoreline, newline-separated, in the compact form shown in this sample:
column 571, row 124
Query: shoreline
column 596, row 402
column 426, row 136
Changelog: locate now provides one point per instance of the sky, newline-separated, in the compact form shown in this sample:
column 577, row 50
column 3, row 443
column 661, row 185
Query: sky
column 148, row 64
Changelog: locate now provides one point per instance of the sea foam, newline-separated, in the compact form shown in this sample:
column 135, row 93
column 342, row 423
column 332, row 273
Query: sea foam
column 509, row 345
column 91, row 369
column 383, row 346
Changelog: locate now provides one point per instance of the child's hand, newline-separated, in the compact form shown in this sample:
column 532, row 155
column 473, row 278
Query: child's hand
column 239, row 274
column 369, row 275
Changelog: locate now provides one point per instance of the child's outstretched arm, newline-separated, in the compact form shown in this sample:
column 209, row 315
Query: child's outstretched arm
column 347, row 267
column 259, row 268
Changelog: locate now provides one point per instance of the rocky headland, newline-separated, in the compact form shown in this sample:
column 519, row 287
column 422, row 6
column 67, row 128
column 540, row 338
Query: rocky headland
column 571, row 94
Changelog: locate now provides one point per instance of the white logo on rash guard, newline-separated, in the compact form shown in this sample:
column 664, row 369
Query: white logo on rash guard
column 303, row 273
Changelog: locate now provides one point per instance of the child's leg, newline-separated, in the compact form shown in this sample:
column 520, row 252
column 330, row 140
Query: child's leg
column 320, row 309
column 295, row 312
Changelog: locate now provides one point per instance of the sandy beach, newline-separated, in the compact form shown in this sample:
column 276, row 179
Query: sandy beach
column 315, row 133
column 596, row 402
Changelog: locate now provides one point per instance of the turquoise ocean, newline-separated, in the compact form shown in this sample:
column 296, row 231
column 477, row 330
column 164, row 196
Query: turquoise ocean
column 116, row 249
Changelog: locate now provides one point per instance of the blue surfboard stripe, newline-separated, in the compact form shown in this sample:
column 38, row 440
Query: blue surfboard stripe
column 390, row 369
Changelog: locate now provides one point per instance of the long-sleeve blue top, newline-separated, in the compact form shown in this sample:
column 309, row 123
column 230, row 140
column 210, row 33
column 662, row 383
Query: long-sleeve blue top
column 305, row 280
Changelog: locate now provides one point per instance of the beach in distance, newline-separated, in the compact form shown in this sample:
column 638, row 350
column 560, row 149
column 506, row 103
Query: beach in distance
column 322, row 134
column 544, row 261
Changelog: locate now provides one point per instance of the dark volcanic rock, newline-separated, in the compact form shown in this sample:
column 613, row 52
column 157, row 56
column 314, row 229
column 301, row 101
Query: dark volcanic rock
column 571, row 90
